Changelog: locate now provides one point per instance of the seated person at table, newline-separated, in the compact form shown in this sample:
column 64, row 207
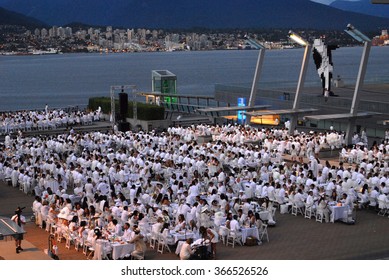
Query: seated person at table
column 140, row 246
column 322, row 207
column 127, row 233
column 241, row 217
column 258, row 221
column 118, row 228
column 110, row 225
column 347, row 201
column 251, row 219
column 156, row 228
column 73, row 224
column 232, row 223
column 187, row 252
column 193, row 227
column 165, row 232
column 181, row 224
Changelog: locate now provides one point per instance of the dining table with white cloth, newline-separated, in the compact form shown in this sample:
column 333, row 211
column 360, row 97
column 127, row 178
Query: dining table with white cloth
column 265, row 215
column 338, row 213
column 102, row 249
column 181, row 235
column 249, row 231
column 121, row 249
column 118, row 249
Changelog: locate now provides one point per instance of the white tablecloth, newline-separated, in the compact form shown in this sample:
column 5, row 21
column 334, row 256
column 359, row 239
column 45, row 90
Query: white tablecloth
column 177, row 236
column 265, row 215
column 246, row 232
column 179, row 246
column 338, row 213
column 121, row 250
column 102, row 248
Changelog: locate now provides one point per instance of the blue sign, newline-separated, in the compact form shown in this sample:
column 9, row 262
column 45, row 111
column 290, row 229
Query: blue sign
column 241, row 116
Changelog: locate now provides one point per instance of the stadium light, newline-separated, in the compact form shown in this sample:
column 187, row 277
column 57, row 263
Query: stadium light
column 297, row 39
column 356, row 34
column 257, row 74
column 361, row 38
column 304, row 66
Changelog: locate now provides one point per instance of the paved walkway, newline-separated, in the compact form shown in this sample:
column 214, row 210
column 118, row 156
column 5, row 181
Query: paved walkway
column 293, row 238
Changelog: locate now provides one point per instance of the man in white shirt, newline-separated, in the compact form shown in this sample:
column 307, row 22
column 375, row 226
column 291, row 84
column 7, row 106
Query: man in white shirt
column 299, row 198
column 127, row 232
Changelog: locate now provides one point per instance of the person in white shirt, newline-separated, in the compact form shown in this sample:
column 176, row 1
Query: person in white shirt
column 187, row 252
column 299, row 198
column 310, row 202
column 127, row 232
column 118, row 231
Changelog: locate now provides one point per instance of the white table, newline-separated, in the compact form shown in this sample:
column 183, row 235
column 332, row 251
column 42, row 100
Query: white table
column 246, row 232
column 338, row 213
column 265, row 215
column 177, row 236
column 102, row 248
column 119, row 251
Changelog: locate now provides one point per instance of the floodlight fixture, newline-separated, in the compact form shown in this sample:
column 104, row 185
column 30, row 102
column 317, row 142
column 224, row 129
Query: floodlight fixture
column 356, row 34
column 255, row 43
column 257, row 73
column 297, row 39
column 362, row 38
column 304, row 66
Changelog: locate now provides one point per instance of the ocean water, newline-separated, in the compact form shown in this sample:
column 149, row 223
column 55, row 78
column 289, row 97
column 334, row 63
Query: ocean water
column 29, row 82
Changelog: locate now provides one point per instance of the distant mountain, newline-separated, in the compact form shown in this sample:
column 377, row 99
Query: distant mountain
column 12, row 18
column 194, row 13
column 363, row 7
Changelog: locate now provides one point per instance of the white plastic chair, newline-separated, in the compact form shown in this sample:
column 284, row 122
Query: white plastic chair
column 233, row 238
column 162, row 244
column 297, row 210
column 309, row 211
column 319, row 216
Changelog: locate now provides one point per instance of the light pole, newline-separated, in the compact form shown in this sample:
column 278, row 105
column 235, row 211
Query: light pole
column 257, row 73
column 304, row 66
column 258, row 69
column 361, row 38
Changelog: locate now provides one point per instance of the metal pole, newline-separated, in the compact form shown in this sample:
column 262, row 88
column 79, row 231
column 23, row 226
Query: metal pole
column 358, row 87
column 254, row 86
column 300, row 85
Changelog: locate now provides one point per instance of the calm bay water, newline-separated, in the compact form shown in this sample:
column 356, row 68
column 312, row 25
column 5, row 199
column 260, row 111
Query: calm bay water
column 29, row 82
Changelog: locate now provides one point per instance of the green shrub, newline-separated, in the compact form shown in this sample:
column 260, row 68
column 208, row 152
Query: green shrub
column 146, row 112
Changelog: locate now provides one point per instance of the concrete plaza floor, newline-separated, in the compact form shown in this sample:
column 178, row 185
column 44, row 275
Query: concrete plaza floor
column 293, row 238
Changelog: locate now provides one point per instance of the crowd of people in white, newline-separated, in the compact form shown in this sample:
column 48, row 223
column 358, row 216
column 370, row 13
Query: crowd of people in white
column 152, row 182
column 30, row 120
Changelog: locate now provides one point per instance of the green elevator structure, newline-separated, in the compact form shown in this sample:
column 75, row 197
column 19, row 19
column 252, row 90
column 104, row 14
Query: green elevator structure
column 165, row 82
